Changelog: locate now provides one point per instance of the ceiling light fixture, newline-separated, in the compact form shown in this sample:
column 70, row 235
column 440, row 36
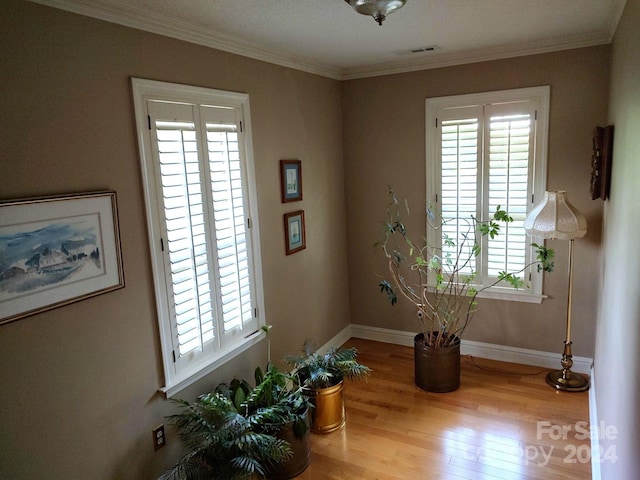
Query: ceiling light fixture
column 378, row 9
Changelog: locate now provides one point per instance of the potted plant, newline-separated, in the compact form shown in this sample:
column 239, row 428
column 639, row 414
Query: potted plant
column 223, row 443
column 441, row 287
column 244, row 432
column 322, row 379
column 275, row 391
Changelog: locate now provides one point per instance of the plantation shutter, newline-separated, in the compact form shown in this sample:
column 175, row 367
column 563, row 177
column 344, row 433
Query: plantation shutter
column 206, row 259
column 509, row 153
column 485, row 150
column 460, row 153
column 485, row 157
column 232, row 240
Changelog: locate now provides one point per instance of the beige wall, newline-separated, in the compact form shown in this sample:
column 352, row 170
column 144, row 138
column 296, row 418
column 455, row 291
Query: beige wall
column 384, row 120
column 79, row 383
column 618, row 330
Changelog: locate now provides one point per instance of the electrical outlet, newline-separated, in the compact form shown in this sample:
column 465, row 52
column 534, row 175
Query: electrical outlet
column 159, row 439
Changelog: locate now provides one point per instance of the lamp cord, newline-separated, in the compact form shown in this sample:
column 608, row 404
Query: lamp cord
column 503, row 372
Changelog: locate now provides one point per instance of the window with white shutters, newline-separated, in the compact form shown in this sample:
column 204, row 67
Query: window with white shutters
column 484, row 151
column 196, row 159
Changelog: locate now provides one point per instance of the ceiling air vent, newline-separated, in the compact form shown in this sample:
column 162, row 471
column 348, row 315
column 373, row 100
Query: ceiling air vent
column 430, row 48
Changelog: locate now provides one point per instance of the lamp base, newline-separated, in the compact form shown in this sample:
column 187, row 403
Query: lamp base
column 567, row 381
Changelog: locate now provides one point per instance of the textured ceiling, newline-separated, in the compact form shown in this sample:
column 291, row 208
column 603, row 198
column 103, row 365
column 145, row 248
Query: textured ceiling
column 329, row 38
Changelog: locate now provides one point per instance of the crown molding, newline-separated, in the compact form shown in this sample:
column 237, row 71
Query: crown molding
column 438, row 59
column 123, row 14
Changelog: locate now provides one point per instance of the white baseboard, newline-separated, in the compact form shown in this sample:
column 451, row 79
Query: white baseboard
column 596, row 473
column 342, row 336
column 477, row 349
column 495, row 352
column 385, row 335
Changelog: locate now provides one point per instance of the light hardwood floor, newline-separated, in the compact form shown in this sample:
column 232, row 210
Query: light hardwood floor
column 488, row 429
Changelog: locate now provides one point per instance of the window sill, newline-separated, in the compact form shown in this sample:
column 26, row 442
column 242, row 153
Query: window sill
column 183, row 381
column 510, row 295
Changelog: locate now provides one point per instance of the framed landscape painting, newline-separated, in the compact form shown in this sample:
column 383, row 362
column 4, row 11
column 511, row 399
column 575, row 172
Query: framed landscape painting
column 57, row 250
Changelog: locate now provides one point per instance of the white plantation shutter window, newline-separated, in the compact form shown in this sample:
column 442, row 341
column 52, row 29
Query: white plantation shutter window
column 195, row 153
column 232, row 253
column 459, row 182
column 484, row 151
column 186, row 256
column 510, row 184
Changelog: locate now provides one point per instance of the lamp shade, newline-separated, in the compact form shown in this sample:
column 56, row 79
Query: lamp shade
column 555, row 217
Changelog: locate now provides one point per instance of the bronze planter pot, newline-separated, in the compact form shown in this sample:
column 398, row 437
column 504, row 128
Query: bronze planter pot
column 436, row 369
column 328, row 413
column 301, row 448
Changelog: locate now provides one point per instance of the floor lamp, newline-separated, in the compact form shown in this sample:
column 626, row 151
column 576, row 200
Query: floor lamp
column 556, row 218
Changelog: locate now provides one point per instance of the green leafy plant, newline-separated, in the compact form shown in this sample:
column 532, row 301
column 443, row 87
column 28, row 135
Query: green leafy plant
column 441, row 284
column 232, row 433
column 276, row 399
column 223, row 443
column 314, row 370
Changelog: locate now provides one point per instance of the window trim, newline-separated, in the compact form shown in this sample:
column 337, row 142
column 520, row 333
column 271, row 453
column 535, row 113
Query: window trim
column 144, row 90
column 541, row 95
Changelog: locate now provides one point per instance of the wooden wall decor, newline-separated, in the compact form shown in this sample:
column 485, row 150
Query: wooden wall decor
column 601, row 162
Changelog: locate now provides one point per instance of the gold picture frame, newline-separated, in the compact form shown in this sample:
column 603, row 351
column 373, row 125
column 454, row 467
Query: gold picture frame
column 57, row 250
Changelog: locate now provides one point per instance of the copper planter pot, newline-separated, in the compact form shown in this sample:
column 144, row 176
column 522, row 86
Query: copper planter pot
column 328, row 413
column 301, row 448
column 436, row 369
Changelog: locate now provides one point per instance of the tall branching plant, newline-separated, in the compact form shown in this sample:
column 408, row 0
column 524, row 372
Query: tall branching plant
column 441, row 282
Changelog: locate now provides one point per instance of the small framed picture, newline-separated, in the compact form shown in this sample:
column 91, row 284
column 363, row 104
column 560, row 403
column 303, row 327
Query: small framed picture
column 295, row 239
column 291, row 180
